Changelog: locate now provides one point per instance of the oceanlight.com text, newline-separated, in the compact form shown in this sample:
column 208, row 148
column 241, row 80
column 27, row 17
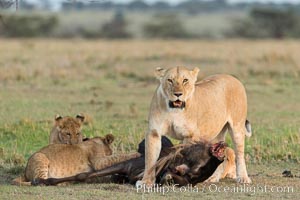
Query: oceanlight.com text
column 214, row 188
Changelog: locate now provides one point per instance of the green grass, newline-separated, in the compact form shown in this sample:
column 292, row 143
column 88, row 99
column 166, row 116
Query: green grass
column 113, row 81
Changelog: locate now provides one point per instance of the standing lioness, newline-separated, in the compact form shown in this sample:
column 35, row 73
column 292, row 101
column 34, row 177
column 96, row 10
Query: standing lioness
column 190, row 111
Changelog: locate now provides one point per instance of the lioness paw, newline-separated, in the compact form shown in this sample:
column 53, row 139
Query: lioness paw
column 245, row 179
column 143, row 184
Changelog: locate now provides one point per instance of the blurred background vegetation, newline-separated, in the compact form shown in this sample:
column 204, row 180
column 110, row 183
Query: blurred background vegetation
column 214, row 19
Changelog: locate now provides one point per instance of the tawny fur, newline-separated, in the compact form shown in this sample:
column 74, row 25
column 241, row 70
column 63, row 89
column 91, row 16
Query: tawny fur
column 66, row 130
column 212, row 106
column 226, row 169
column 229, row 164
column 63, row 160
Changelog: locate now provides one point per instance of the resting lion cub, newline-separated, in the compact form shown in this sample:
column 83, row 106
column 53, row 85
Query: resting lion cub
column 63, row 160
column 66, row 130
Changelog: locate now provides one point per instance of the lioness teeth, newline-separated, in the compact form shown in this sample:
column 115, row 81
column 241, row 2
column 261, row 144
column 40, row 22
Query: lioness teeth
column 177, row 103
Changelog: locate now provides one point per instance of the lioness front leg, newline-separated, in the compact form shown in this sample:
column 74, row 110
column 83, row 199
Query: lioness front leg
column 153, row 147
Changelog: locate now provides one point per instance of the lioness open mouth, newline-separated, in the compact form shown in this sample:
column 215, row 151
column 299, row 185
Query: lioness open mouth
column 177, row 104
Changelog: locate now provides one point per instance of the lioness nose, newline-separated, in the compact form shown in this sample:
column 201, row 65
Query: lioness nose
column 177, row 94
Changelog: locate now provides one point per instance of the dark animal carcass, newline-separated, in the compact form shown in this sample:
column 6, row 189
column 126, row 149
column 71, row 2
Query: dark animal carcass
column 180, row 164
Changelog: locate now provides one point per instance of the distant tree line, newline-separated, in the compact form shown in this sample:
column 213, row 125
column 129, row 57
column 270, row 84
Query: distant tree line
column 260, row 23
column 190, row 6
column 267, row 23
column 27, row 26
column 162, row 25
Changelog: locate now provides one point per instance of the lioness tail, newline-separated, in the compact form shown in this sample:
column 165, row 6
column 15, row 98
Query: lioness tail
column 248, row 128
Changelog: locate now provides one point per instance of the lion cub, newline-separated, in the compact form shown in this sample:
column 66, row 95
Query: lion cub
column 63, row 160
column 67, row 130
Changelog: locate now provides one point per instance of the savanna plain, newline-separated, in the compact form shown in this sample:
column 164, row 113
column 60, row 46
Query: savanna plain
column 113, row 82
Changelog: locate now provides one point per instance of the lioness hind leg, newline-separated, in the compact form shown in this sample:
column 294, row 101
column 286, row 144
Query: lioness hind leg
column 37, row 167
column 237, row 133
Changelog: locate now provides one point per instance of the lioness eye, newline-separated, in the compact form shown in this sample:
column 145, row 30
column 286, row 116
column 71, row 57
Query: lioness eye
column 185, row 80
column 68, row 134
column 170, row 81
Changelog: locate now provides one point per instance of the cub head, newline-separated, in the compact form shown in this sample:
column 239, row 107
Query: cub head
column 69, row 129
column 104, row 144
column 177, row 85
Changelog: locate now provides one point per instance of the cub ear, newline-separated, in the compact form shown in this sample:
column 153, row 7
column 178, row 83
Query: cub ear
column 195, row 72
column 108, row 139
column 159, row 72
column 57, row 119
column 80, row 117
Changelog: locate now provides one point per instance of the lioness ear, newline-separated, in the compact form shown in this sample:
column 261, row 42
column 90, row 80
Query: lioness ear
column 57, row 119
column 80, row 117
column 159, row 72
column 195, row 72
column 108, row 139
